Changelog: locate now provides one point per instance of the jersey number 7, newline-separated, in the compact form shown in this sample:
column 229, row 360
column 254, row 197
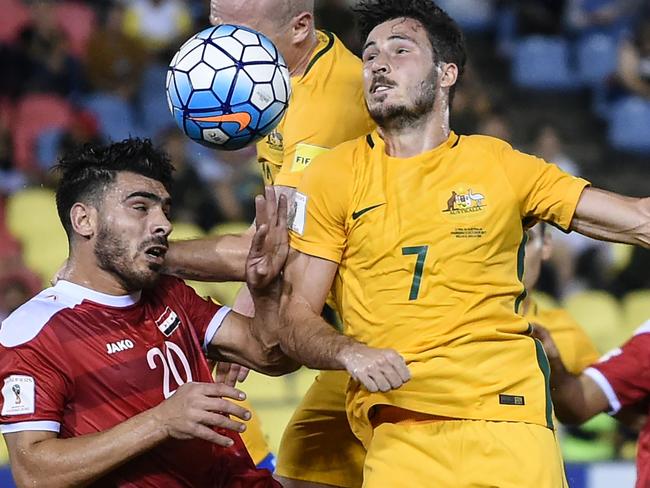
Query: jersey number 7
column 421, row 253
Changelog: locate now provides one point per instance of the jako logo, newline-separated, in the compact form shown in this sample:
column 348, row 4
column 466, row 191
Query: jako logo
column 119, row 346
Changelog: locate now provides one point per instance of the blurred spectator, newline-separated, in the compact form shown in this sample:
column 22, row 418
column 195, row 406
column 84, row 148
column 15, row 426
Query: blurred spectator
column 11, row 180
column 634, row 61
column 116, row 62
column 42, row 59
column 193, row 199
column 635, row 275
column 471, row 103
column 547, row 144
column 496, row 124
column 16, row 287
column 542, row 17
column 160, row 24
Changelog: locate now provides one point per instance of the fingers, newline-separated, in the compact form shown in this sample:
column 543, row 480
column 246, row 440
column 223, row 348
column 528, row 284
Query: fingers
column 221, row 390
column 212, row 419
column 207, row 434
column 223, row 407
column 243, row 374
column 257, row 245
column 221, row 373
column 261, row 216
column 282, row 212
column 233, row 374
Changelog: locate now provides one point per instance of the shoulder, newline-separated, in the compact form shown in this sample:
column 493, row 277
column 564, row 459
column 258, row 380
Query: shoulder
column 488, row 143
column 29, row 320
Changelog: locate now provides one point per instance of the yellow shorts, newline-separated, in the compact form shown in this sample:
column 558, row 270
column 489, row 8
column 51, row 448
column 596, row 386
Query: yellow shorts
column 253, row 436
column 463, row 454
column 318, row 444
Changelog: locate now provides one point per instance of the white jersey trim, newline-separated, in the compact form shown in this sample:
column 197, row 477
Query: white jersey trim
column 26, row 322
column 214, row 325
column 46, row 425
column 643, row 328
column 603, row 384
column 83, row 293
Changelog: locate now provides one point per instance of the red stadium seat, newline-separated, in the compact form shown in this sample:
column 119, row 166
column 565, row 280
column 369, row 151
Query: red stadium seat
column 34, row 114
column 15, row 15
column 78, row 22
column 7, row 111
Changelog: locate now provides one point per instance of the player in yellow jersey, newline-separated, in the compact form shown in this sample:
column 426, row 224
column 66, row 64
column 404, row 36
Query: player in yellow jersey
column 420, row 232
column 326, row 108
column 576, row 349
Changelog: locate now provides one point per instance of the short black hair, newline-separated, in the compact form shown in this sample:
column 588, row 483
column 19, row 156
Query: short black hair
column 444, row 34
column 87, row 171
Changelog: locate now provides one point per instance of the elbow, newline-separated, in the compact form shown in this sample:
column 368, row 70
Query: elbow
column 27, row 478
column 277, row 363
column 644, row 211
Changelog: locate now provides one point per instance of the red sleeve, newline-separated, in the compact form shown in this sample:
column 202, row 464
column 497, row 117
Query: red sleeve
column 205, row 315
column 624, row 374
column 35, row 386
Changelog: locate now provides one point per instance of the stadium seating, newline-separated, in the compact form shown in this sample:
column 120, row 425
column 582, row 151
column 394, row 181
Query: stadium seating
column 597, row 57
column 543, row 63
column 600, row 315
column 636, row 310
column 34, row 114
column 154, row 112
column 629, row 125
column 117, row 120
column 78, row 22
column 15, row 16
column 33, row 219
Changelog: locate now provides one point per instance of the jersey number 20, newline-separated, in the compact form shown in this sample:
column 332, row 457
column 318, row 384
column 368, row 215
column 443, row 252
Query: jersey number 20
column 169, row 366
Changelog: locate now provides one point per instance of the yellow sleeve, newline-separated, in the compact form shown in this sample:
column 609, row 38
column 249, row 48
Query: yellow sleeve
column 586, row 353
column 295, row 164
column 544, row 191
column 321, row 205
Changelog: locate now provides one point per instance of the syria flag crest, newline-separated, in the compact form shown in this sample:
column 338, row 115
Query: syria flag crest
column 168, row 322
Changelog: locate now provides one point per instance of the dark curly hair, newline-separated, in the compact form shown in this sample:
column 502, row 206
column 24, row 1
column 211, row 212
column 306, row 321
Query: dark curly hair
column 444, row 34
column 88, row 170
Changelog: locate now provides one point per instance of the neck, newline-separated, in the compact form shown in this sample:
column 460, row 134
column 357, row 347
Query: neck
column 84, row 271
column 299, row 59
column 418, row 137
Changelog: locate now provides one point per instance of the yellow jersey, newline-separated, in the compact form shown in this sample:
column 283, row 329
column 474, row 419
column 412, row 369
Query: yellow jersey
column 576, row 349
column 326, row 108
column 430, row 252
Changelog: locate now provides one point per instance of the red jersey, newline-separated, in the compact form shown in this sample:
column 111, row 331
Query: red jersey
column 624, row 377
column 76, row 361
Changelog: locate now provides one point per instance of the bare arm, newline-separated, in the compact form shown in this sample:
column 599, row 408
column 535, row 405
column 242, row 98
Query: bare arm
column 576, row 398
column 307, row 338
column 611, row 217
column 215, row 258
column 39, row 458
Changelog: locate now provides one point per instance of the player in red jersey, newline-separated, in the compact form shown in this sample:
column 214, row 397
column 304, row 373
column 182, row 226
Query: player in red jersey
column 104, row 376
column 618, row 384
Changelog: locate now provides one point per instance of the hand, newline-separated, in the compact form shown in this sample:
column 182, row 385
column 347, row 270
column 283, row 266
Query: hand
column 196, row 408
column 544, row 336
column 377, row 369
column 270, row 245
column 230, row 373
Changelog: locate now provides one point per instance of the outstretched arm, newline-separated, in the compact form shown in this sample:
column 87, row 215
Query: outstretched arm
column 253, row 341
column 307, row 338
column 576, row 398
column 611, row 217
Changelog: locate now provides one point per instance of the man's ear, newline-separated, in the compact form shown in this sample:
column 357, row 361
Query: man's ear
column 302, row 26
column 84, row 220
column 448, row 75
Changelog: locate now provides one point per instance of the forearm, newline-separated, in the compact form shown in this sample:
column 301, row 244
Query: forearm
column 611, row 217
column 217, row 258
column 81, row 460
column 309, row 339
column 570, row 396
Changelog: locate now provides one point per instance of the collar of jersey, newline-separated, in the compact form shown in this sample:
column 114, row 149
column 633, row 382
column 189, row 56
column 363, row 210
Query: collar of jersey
column 325, row 44
column 451, row 141
column 83, row 293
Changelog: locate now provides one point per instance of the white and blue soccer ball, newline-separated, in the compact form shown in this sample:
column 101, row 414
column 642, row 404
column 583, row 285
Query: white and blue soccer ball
column 228, row 86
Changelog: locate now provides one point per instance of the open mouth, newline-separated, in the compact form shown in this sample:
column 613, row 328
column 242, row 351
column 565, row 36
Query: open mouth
column 156, row 252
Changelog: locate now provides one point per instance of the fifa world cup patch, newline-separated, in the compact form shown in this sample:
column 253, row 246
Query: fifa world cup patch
column 305, row 153
column 298, row 213
column 168, row 322
column 511, row 400
column 18, row 395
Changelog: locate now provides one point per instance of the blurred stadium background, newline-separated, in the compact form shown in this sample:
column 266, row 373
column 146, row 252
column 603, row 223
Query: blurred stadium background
column 568, row 80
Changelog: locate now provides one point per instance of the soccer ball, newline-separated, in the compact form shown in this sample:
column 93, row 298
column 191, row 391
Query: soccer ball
column 227, row 87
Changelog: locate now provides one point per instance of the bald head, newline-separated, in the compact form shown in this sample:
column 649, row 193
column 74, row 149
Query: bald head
column 288, row 23
column 258, row 13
